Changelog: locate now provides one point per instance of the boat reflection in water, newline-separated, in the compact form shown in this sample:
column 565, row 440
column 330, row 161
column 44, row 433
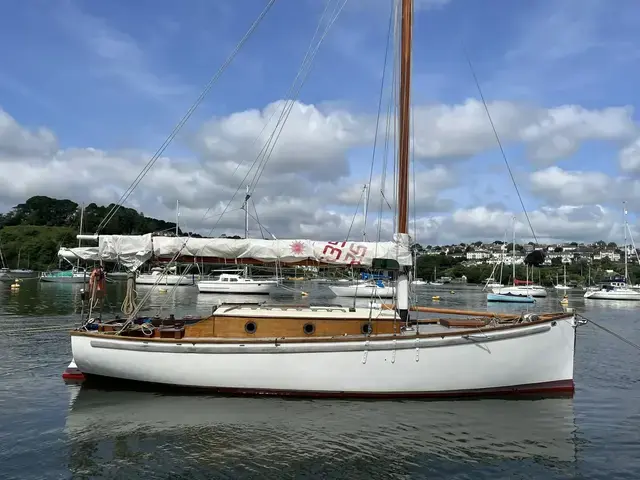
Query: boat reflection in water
column 186, row 433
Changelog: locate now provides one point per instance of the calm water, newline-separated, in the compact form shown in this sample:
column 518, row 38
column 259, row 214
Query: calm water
column 51, row 430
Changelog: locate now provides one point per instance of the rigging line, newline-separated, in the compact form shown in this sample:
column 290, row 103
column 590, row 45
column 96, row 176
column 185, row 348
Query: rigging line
column 375, row 138
column 262, row 226
column 611, row 332
column 390, row 121
column 502, row 152
column 255, row 209
column 187, row 115
column 177, row 254
column 355, row 214
column 254, row 181
column 290, row 106
column 292, row 94
column 268, row 122
column 385, row 164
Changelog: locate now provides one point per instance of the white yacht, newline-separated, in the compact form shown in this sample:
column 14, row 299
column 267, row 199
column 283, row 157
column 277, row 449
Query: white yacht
column 234, row 283
column 156, row 276
column 612, row 291
column 526, row 290
column 366, row 289
column 618, row 289
column 563, row 285
column 535, row 291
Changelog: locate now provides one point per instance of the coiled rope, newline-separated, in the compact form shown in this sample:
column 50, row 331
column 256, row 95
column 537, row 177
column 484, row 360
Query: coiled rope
column 129, row 304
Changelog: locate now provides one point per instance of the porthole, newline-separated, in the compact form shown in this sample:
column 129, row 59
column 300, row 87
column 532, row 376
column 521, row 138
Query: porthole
column 366, row 328
column 250, row 327
column 309, row 328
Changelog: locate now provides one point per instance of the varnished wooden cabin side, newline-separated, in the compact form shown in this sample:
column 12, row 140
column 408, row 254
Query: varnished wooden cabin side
column 276, row 327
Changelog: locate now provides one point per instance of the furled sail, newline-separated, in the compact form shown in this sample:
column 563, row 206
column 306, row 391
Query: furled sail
column 132, row 251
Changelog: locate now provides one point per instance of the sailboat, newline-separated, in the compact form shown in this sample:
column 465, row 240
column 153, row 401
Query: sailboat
column 77, row 274
column 435, row 281
column 232, row 282
column 564, row 285
column 330, row 351
column 516, row 293
column 7, row 273
column 618, row 289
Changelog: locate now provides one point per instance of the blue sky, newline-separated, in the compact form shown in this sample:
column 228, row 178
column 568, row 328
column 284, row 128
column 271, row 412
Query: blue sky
column 118, row 75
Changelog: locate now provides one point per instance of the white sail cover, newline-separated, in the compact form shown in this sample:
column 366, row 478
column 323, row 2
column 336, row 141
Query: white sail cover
column 130, row 251
column 133, row 251
column 79, row 253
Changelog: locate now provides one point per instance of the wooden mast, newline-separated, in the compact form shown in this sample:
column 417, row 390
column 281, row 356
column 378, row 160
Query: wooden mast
column 404, row 127
column 404, row 101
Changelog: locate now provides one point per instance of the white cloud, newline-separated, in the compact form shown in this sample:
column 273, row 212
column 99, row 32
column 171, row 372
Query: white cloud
column 550, row 134
column 629, row 157
column 560, row 186
column 427, row 185
column 15, row 140
column 567, row 222
column 311, row 141
column 308, row 187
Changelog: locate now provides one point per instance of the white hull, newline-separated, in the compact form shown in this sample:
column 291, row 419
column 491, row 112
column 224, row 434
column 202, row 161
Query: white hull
column 562, row 287
column 529, row 358
column 151, row 279
column 248, row 287
column 6, row 274
column 77, row 278
column 536, row 292
column 620, row 294
column 363, row 291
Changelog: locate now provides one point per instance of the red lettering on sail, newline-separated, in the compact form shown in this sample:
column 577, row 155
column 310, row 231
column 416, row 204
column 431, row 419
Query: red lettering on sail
column 334, row 251
column 353, row 256
column 356, row 253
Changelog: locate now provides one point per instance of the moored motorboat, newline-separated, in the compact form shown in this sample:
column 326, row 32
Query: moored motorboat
column 510, row 298
column 233, row 283
column 362, row 290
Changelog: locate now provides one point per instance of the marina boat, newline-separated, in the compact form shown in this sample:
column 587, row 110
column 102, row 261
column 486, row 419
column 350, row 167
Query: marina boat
column 509, row 298
column 234, row 283
column 157, row 276
column 563, row 285
column 75, row 275
column 8, row 274
column 534, row 291
column 516, row 293
column 435, row 282
column 332, row 351
column 612, row 291
column 617, row 289
column 366, row 289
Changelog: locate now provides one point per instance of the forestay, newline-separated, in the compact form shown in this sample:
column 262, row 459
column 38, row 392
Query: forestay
column 132, row 251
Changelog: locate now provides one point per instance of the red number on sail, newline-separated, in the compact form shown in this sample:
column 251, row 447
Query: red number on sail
column 356, row 254
column 334, row 251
